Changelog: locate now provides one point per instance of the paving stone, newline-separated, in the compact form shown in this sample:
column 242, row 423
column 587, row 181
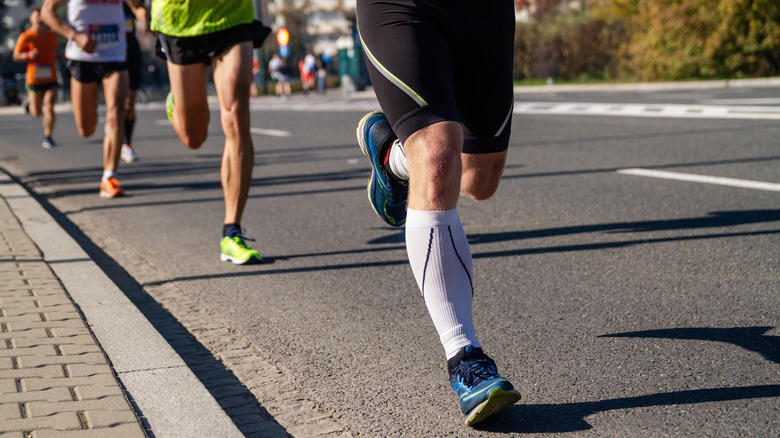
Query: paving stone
column 65, row 343
column 100, row 380
column 10, row 411
column 119, row 431
column 81, row 359
column 62, row 315
column 48, row 395
column 69, row 331
column 93, row 391
column 38, row 350
column 33, row 310
column 109, row 403
column 6, row 363
column 58, row 421
column 7, row 386
column 97, row 418
column 79, row 349
column 85, row 370
column 48, row 371
column 39, row 333
column 33, row 301
column 18, row 326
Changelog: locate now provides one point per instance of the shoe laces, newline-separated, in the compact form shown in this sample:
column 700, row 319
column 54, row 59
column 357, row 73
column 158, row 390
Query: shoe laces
column 473, row 370
column 241, row 238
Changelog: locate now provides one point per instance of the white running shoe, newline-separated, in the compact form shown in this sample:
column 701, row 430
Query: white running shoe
column 128, row 154
column 48, row 142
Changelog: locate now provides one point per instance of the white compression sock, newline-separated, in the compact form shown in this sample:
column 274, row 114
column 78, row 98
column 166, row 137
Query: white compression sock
column 441, row 261
column 396, row 162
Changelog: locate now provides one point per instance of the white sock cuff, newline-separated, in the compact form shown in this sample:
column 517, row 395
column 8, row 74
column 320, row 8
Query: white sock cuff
column 107, row 174
column 397, row 162
column 458, row 337
column 429, row 219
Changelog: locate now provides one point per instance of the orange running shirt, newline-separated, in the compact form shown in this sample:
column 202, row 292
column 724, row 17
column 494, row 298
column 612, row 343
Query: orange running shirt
column 43, row 70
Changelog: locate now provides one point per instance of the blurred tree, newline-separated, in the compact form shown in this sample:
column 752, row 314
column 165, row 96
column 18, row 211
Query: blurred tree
column 681, row 39
column 562, row 41
column 540, row 10
column 746, row 40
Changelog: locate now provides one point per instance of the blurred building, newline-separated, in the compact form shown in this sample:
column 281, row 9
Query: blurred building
column 328, row 23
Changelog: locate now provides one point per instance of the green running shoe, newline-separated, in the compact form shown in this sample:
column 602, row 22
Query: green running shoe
column 169, row 106
column 235, row 250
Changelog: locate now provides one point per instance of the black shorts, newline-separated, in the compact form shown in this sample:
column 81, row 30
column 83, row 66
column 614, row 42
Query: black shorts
column 442, row 60
column 89, row 72
column 40, row 88
column 134, row 61
column 202, row 48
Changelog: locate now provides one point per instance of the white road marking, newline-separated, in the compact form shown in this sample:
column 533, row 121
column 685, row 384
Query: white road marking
column 650, row 110
column 270, row 132
column 747, row 101
column 260, row 131
column 732, row 182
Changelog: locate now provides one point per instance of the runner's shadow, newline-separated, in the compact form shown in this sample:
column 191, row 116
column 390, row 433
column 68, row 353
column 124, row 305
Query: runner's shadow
column 717, row 219
column 750, row 338
column 571, row 417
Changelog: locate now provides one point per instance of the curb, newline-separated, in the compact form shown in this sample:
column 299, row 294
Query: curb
column 166, row 392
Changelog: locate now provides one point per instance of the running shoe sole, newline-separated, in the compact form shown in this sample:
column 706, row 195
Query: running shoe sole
column 498, row 400
column 250, row 261
column 128, row 155
column 106, row 195
column 361, row 135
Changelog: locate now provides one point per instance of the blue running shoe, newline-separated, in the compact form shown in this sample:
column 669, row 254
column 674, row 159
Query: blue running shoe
column 481, row 391
column 386, row 193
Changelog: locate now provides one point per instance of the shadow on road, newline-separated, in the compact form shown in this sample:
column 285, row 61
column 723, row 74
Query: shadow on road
column 571, row 417
column 750, row 338
column 396, row 237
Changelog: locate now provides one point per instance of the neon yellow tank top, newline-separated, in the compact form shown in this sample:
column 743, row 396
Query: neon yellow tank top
column 186, row 18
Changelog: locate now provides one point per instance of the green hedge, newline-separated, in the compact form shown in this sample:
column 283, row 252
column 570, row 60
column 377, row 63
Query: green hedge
column 653, row 40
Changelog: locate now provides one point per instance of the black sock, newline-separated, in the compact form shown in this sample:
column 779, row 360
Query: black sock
column 129, row 124
column 231, row 229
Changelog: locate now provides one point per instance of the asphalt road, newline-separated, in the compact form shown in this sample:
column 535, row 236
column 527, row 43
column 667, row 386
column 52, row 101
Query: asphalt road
column 620, row 304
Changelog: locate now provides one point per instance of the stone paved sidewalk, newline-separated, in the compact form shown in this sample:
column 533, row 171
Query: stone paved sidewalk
column 54, row 378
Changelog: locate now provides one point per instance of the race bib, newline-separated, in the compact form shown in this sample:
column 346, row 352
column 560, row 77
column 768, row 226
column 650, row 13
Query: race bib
column 43, row 71
column 107, row 35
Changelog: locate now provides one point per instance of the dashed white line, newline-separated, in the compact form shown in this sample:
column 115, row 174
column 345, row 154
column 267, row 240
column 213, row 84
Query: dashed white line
column 650, row 110
column 260, row 131
column 270, row 132
column 732, row 182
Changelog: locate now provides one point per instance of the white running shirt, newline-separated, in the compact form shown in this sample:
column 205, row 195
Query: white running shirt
column 104, row 20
